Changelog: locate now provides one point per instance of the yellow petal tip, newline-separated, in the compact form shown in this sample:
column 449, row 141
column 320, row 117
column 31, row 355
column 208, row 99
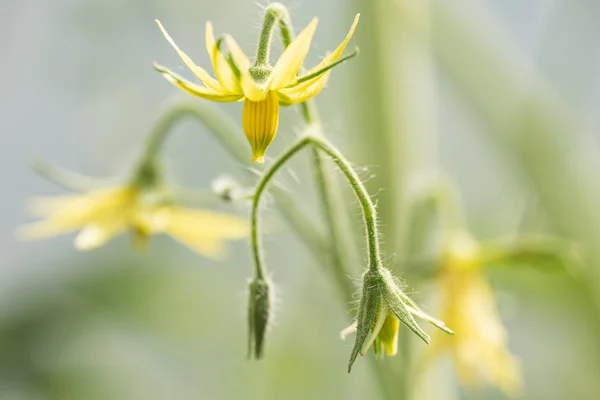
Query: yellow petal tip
column 258, row 159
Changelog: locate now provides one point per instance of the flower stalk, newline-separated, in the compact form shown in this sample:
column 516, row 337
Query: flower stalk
column 368, row 208
column 327, row 190
column 380, row 290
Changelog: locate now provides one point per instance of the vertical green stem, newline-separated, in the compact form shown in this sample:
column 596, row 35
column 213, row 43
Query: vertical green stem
column 264, row 42
column 327, row 189
column 338, row 246
column 255, row 245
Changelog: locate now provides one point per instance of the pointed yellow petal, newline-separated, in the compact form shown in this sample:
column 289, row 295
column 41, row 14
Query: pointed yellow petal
column 42, row 230
column 305, row 90
column 68, row 213
column 202, row 231
column 198, row 71
column 240, row 59
column 337, row 53
column 196, row 90
column 291, row 60
column 222, row 69
column 293, row 95
column 250, row 88
column 97, row 234
column 77, row 210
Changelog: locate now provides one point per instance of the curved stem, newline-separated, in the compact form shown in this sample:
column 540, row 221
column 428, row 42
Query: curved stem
column 69, row 180
column 326, row 186
column 259, row 268
column 329, row 195
column 368, row 208
column 221, row 126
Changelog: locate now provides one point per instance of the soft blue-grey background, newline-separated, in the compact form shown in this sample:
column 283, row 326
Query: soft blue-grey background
column 77, row 87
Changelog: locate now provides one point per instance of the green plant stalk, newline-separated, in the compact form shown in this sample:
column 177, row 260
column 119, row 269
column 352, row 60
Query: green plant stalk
column 230, row 136
column 370, row 216
column 337, row 244
column 255, row 243
column 399, row 131
column 68, row 180
column 367, row 205
column 368, row 208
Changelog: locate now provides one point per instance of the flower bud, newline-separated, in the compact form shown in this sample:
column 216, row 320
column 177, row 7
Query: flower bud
column 382, row 306
column 259, row 312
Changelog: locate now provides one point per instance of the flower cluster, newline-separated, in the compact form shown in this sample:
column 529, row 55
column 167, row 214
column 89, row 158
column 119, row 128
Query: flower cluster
column 146, row 205
column 262, row 87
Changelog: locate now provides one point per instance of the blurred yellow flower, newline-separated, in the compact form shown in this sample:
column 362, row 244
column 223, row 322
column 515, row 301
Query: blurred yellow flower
column 479, row 348
column 104, row 213
column 263, row 88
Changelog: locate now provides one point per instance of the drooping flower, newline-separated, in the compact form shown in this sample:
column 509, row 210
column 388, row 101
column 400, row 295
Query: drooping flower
column 383, row 305
column 262, row 87
column 479, row 349
column 101, row 214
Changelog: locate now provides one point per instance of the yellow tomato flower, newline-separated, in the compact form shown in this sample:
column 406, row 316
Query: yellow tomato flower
column 262, row 87
column 104, row 213
column 479, row 348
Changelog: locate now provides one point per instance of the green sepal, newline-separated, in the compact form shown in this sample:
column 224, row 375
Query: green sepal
column 326, row 68
column 367, row 311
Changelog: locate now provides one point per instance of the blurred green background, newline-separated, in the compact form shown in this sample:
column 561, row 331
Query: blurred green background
column 503, row 96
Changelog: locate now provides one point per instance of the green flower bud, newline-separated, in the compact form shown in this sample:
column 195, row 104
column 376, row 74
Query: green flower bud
column 382, row 303
column 259, row 312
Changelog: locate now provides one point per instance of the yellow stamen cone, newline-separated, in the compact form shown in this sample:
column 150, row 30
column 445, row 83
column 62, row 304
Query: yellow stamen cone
column 260, row 120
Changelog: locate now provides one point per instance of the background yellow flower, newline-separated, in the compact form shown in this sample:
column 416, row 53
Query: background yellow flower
column 104, row 213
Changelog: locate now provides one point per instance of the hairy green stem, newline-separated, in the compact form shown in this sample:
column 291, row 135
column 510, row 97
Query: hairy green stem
column 338, row 247
column 382, row 374
column 367, row 205
column 259, row 268
column 274, row 13
column 368, row 208
column 327, row 189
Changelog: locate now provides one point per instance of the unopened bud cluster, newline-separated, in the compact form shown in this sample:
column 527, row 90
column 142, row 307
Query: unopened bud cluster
column 382, row 306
